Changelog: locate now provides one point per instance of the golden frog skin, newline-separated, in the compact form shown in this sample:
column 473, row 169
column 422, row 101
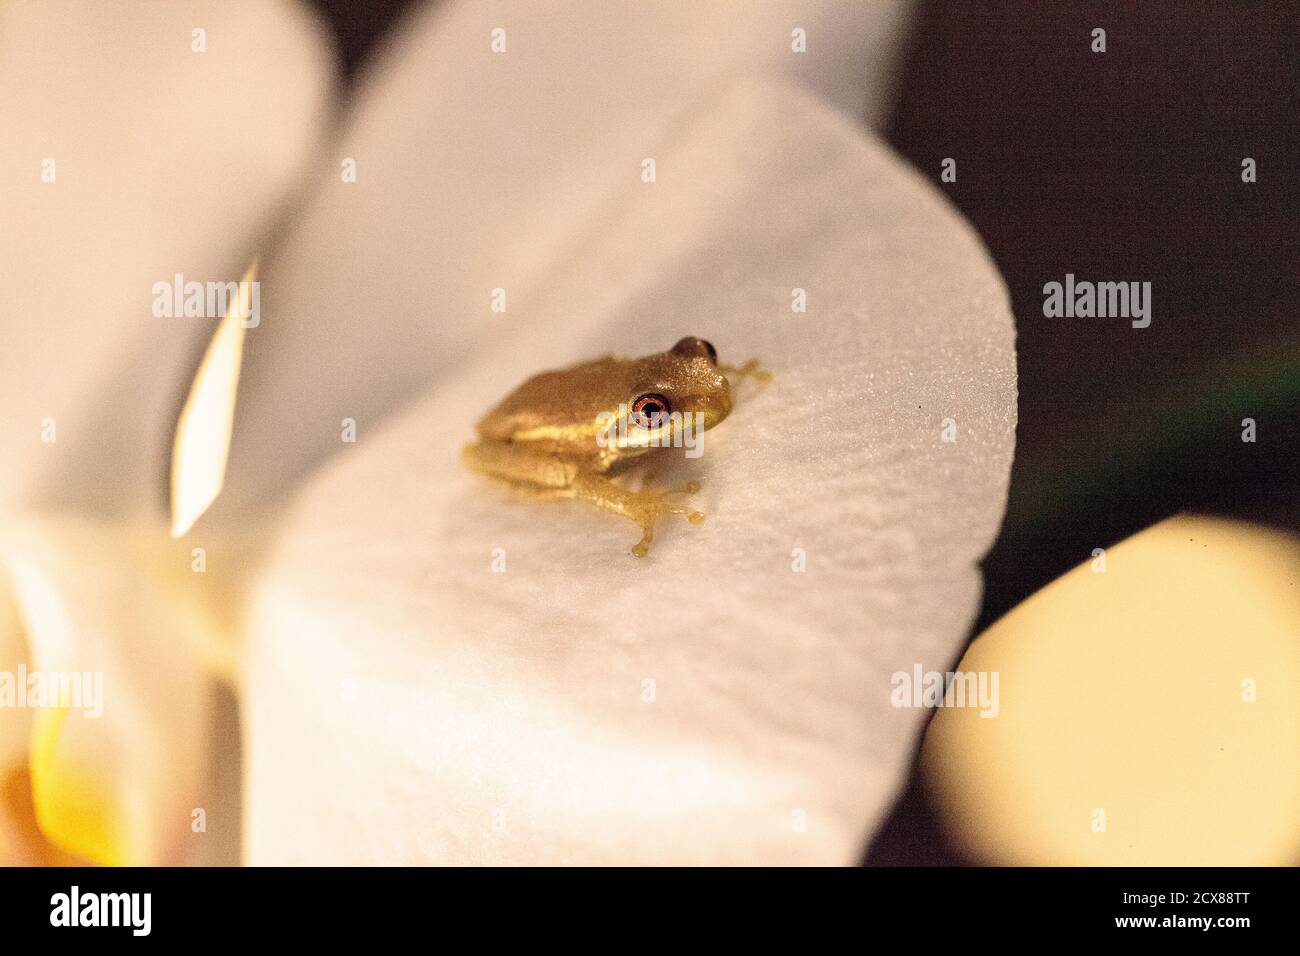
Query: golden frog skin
column 557, row 435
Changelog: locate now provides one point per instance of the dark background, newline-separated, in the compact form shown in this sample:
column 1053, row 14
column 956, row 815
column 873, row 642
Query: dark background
column 1115, row 166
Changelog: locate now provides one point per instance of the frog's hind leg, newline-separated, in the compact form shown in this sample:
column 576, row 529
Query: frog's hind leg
column 538, row 475
column 645, row 507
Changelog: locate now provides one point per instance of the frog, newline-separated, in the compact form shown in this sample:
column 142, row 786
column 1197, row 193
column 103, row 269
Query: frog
column 568, row 433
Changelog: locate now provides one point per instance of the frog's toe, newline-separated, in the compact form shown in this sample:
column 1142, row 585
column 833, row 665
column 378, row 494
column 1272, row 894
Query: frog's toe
column 693, row 516
column 649, row 506
column 689, row 488
column 657, row 502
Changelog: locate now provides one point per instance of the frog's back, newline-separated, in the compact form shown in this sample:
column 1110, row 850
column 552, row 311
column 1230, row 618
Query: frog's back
column 569, row 396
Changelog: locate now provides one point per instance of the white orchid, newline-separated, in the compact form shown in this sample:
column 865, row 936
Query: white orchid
column 130, row 156
column 725, row 699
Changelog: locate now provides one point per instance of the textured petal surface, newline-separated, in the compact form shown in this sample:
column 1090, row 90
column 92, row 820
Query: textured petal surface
column 163, row 161
column 406, row 703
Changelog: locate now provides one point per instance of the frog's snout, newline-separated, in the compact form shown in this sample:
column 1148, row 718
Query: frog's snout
column 715, row 406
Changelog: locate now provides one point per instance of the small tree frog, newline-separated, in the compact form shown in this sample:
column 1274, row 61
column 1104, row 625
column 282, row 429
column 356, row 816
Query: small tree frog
column 564, row 434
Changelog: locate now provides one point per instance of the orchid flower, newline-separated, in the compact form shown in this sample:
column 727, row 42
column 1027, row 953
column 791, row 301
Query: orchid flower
column 427, row 669
column 142, row 141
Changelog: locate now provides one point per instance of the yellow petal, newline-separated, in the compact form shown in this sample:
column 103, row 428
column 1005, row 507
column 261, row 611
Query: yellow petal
column 74, row 800
column 21, row 841
column 114, row 775
column 65, row 798
column 203, row 431
column 1147, row 714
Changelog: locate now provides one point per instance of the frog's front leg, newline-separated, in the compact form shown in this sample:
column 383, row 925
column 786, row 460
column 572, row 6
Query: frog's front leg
column 547, row 477
column 645, row 506
column 751, row 369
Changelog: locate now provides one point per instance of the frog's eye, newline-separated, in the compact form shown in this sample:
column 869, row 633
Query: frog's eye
column 650, row 410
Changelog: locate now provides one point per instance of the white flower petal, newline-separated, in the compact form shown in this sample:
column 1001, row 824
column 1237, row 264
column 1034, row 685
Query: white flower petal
column 406, row 704
column 15, row 726
column 202, row 441
column 164, row 161
column 478, row 170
